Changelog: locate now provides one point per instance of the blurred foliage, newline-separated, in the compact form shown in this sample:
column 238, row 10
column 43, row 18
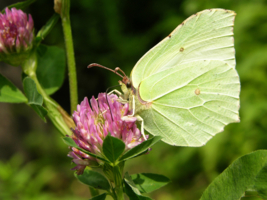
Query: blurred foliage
column 117, row 33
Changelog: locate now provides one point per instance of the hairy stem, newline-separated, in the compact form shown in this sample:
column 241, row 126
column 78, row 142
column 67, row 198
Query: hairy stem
column 114, row 174
column 118, row 183
column 65, row 17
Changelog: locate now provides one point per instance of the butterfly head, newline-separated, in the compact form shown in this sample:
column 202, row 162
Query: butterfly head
column 127, row 82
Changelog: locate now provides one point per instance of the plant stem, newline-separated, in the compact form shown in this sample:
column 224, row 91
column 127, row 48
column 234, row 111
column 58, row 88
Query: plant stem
column 57, row 115
column 118, row 182
column 53, row 110
column 114, row 174
column 65, row 17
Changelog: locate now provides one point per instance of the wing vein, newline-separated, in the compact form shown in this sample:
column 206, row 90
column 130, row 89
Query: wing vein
column 184, row 84
column 202, row 123
column 166, row 136
column 178, row 126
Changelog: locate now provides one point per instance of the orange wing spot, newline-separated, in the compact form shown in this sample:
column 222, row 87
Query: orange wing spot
column 197, row 91
column 181, row 49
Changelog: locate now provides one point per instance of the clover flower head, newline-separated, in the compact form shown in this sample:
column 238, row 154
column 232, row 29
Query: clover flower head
column 95, row 122
column 16, row 35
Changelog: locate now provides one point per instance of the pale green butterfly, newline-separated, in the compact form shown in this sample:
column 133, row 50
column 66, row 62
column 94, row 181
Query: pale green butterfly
column 186, row 88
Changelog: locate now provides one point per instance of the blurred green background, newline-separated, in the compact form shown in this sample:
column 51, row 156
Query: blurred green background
column 33, row 161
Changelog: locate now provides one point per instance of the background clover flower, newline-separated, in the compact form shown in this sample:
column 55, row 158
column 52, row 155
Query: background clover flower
column 95, row 122
column 16, row 36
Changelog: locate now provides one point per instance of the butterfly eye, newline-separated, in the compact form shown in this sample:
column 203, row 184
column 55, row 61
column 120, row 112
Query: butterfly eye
column 129, row 84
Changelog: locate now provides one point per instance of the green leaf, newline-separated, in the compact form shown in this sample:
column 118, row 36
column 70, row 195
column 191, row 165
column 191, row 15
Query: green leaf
column 148, row 182
column 93, row 179
column 45, row 30
column 261, row 183
column 241, row 175
column 35, row 100
column 20, row 5
column 70, row 142
column 129, row 181
column 132, row 195
column 113, row 148
column 40, row 110
column 31, row 92
column 140, row 148
column 51, row 67
column 131, row 190
column 10, row 93
column 99, row 197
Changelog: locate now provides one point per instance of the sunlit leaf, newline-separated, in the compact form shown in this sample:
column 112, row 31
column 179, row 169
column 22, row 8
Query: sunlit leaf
column 93, row 179
column 10, row 93
column 131, row 190
column 148, row 182
column 31, row 92
column 35, row 100
column 239, row 177
column 113, row 148
column 261, row 183
column 70, row 142
column 140, row 148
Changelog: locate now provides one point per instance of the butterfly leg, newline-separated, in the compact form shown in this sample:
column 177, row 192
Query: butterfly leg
column 115, row 91
column 140, row 119
column 129, row 118
column 121, row 100
column 133, row 108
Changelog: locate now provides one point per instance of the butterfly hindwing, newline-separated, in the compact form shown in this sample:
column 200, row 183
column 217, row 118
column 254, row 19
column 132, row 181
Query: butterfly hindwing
column 192, row 103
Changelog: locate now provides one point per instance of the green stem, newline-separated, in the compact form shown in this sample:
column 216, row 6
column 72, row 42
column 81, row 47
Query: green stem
column 114, row 174
column 57, row 114
column 65, row 16
column 118, row 183
column 54, row 110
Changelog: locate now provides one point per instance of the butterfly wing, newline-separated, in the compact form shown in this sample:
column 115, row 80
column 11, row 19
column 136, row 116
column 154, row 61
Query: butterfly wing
column 203, row 36
column 190, row 80
column 191, row 102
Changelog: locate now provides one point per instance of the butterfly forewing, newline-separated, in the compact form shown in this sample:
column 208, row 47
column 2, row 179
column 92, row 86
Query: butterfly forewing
column 203, row 36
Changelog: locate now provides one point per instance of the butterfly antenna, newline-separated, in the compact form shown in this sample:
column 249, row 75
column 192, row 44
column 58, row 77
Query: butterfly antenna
column 101, row 66
column 119, row 69
column 125, row 78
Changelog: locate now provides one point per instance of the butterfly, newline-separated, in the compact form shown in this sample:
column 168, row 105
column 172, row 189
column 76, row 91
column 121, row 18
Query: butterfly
column 186, row 88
